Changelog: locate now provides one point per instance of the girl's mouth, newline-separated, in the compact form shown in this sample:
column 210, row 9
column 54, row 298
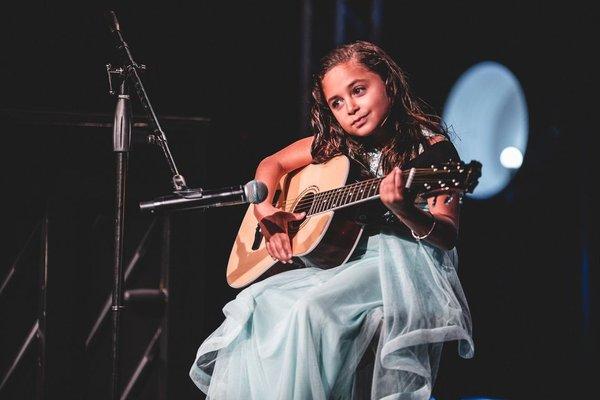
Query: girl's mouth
column 360, row 121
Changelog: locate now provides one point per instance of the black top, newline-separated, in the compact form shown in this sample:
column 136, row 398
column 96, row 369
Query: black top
column 438, row 153
column 374, row 214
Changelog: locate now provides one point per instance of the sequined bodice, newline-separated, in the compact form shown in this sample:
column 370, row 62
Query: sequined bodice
column 374, row 160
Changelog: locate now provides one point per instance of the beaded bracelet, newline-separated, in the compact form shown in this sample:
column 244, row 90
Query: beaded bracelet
column 428, row 233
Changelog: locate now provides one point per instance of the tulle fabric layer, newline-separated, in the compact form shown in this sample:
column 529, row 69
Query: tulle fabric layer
column 304, row 333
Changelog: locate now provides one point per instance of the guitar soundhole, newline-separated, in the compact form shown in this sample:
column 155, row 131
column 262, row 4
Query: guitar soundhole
column 304, row 204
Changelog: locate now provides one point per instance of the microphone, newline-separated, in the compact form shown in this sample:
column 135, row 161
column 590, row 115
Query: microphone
column 115, row 29
column 113, row 22
column 252, row 192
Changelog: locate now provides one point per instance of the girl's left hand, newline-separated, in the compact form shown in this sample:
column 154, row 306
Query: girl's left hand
column 393, row 194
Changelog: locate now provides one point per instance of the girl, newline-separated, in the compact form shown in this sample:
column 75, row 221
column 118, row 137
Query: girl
column 307, row 333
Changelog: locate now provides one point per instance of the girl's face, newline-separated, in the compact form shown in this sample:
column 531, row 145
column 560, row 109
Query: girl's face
column 357, row 98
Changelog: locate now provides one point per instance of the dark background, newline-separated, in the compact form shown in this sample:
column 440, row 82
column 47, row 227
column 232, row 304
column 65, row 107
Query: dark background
column 225, row 79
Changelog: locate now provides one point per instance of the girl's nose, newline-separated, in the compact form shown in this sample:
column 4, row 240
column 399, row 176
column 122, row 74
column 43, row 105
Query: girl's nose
column 351, row 107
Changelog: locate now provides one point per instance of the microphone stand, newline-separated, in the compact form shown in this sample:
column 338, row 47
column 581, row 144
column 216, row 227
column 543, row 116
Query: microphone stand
column 129, row 75
column 121, row 147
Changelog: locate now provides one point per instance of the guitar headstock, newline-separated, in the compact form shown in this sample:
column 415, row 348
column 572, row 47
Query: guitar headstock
column 455, row 176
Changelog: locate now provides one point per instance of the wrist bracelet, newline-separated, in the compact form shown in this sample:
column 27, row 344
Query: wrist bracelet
column 428, row 233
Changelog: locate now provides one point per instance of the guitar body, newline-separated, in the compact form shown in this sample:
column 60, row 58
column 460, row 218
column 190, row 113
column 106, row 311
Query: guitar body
column 324, row 240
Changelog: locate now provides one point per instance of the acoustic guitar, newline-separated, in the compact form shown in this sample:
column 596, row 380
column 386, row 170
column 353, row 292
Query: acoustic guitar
column 331, row 229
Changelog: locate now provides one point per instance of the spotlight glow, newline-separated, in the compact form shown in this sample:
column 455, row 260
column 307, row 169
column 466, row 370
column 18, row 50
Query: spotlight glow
column 511, row 158
column 486, row 109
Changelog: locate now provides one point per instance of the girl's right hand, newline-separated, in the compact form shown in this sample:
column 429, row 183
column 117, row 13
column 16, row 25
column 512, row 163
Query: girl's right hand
column 274, row 226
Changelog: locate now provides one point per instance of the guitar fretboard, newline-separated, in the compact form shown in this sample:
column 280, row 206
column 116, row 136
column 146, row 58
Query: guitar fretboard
column 421, row 180
column 342, row 197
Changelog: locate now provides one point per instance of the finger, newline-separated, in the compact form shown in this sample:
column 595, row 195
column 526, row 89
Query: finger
column 385, row 185
column 270, row 251
column 284, row 248
column 400, row 179
column 287, row 249
column 280, row 251
column 398, row 191
column 396, row 177
column 297, row 216
column 276, row 247
column 384, row 192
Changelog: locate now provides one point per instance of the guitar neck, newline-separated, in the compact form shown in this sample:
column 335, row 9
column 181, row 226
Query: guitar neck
column 344, row 196
column 418, row 179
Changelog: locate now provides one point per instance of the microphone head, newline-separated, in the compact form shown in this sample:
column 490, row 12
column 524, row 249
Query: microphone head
column 113, row 23
column 255, row 191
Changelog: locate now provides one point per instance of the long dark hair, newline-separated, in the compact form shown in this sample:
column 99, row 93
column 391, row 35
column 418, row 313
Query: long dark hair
column 406, row 118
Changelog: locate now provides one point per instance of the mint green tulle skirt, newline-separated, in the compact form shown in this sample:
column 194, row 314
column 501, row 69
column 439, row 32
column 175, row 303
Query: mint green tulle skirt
column 304, row 334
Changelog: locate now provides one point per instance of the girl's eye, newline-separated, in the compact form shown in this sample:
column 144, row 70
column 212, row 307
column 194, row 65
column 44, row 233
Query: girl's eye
column 358, row 90
column 335, row 103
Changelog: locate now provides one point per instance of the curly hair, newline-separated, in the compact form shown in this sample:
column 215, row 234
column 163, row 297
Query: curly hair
column 406, row 118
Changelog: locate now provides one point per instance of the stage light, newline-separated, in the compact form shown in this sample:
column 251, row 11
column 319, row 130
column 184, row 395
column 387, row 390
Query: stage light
column 486, row 109
column 511, row 158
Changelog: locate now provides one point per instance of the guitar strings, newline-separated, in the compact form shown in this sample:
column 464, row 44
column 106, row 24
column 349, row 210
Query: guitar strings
column 326, row 206
column 344, row 191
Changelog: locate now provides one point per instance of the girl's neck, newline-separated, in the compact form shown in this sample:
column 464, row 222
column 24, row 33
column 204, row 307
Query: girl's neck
column 378, row 139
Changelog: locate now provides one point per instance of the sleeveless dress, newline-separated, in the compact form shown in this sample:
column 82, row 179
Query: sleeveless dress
column 305, row 334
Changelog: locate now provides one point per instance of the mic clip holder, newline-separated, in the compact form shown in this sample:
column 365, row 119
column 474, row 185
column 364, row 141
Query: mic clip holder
column 120, row 72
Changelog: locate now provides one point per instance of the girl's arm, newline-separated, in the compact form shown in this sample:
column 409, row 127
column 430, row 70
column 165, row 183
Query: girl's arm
column 273, row 222
column 440, row 225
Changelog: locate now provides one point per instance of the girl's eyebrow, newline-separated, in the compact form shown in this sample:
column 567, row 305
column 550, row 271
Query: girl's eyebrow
column 354, row 82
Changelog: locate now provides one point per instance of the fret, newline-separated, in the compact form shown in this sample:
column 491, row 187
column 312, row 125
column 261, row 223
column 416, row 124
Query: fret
column 370, row 189
column 326, row 200
column 313, row 205
column 348, row 195
column 323, row 206
column 344, row 196
column 341, row 201
column 357, row 191
column 363, row 190
column 336, row 197
column 330, row 196
column 360, row 191
column 331, row 202
column 320, row 203
column 351, row 193
column 317, row 202
column 375, row 187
